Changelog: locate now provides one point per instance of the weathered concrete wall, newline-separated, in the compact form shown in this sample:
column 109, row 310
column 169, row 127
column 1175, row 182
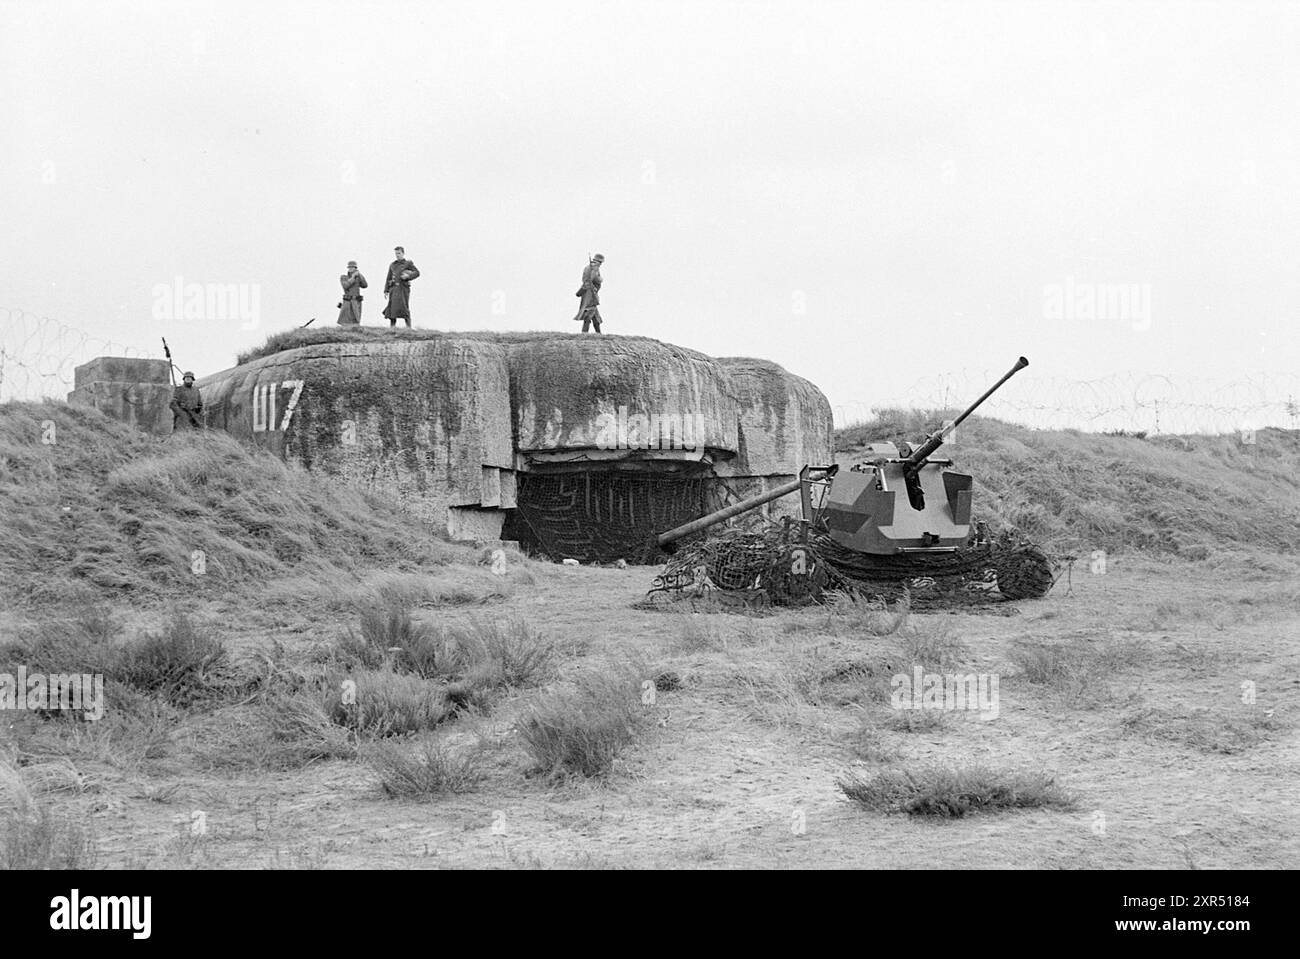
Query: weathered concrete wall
column 784, row 421
column 137, row 392
column 121, row 369
column 424, row 421
column 445, row 422
column 784, row 424
column 613, row 393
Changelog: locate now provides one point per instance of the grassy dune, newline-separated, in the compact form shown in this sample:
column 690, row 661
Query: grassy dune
column 1193, row 497
column 342, row 688
column 100, row 510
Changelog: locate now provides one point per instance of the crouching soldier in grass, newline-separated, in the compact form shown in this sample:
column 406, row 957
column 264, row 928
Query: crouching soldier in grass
column 350, row 306
column 187, row 405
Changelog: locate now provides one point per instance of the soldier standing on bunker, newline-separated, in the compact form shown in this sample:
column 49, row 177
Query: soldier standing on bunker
column 398, row 288
column 187, row 405
column 588, row 309
column 350, row 306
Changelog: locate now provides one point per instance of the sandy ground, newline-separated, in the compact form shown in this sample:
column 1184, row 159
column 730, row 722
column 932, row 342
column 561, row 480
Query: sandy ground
column 736, row 774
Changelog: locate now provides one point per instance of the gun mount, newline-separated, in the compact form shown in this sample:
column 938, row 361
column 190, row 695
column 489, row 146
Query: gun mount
column 865, row 531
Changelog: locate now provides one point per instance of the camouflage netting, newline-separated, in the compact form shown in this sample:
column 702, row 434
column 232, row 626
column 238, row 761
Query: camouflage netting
column 778, row 564
column 604, row 516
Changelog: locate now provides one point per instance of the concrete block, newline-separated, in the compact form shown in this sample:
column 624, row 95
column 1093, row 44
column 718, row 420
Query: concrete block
column 142, row 405
column 478, row 525
column 121, row 369
column 490, row 487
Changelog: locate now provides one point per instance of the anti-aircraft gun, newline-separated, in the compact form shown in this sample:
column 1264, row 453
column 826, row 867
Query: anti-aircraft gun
column 898, row 516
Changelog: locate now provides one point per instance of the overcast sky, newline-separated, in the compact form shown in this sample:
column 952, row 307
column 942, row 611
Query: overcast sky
column 866, row 193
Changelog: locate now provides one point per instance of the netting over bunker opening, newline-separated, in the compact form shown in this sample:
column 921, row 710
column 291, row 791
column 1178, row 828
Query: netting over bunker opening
column 600, row 516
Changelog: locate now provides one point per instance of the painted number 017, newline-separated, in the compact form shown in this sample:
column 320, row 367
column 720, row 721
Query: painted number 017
column 265, row 400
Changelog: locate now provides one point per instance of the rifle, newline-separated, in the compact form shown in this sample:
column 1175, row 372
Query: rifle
column 171, row 367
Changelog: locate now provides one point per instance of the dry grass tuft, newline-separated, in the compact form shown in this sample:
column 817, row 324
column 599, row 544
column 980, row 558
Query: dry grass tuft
column 916, row 720
column 866, row 743
column 935, row 649
column 848, row 614
column 301, row 732
column 1078, row 670
column 426, row 769
column 699, row 634
column 476, row 660
column 380, row 702
column 36, row 837
column 182, row 665
column 1206, row 730
column 948, row 792
column 583, row 730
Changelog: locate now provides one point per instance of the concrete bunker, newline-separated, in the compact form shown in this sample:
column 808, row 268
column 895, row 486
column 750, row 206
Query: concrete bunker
column 578, row 446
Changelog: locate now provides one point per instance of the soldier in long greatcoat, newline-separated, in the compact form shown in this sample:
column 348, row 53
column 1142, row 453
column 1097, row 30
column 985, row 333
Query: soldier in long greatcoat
column 350, row 306
column 588, row 308
column 398, row 288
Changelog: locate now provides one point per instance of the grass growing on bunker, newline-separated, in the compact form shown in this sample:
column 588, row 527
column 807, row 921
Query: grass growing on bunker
column 106, row 510
column 300, row 337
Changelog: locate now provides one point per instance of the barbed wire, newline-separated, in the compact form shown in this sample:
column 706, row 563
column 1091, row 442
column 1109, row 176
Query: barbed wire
column 39, row 355
column 1135, row 402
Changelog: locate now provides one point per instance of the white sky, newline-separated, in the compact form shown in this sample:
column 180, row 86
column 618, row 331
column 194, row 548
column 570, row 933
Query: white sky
column 869, row 194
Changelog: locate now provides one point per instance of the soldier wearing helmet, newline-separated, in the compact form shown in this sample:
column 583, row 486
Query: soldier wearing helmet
column 187, row 405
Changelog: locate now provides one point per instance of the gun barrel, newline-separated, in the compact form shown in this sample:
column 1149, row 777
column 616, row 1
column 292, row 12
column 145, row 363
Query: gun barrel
column 718, row 516
column 935, row 439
